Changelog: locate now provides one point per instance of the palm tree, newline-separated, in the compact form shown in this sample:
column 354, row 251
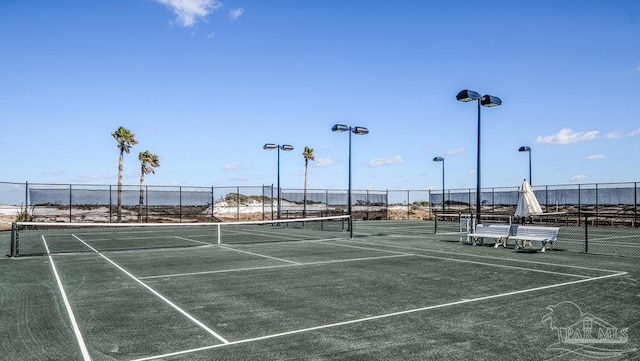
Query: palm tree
column 126, row 139
column 148, row 163
column 308, row 155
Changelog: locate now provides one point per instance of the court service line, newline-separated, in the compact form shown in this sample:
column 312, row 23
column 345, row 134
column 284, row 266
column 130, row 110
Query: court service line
column 193, row 240
column 67, row 305
column 260, row 255
column 156, row 293
column 377, row 317
column 274, row 266
column 464, row 261
column 484, row 256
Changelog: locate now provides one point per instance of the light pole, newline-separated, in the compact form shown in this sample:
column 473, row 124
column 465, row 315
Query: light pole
column 486, row 101
column 354, row 130
column 278, row 147
column 524, row 148
column 440, row 159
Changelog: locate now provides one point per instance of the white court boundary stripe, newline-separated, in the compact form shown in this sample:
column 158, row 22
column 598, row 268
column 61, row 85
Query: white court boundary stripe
column 274, row 266
column 193, row 240
column 483, row 256
column 157, row 294
column 463, row 261
column 260, row 255
column 67, row 305
column 386, row 315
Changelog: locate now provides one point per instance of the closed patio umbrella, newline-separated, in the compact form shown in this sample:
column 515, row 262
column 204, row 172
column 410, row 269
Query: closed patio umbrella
column 527, row 203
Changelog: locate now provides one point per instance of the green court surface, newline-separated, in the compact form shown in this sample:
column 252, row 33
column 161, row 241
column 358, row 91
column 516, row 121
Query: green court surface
column 394, row 291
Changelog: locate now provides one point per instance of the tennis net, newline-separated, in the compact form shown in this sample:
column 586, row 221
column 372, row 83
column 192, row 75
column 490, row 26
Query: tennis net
column 40, row 238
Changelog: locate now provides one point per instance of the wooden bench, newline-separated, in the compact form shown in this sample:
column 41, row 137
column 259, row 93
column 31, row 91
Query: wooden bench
column 544, row 235
column 498, row 231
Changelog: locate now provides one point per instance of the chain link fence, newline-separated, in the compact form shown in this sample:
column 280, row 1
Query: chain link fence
column 585, row 210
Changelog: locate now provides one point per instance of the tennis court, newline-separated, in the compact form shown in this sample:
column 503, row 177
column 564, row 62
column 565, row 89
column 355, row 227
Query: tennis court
column 392, row 292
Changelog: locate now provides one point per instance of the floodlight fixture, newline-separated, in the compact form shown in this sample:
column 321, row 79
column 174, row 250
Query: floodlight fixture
column 359, row 131
column 486, row 101
column 340, row 128
column 286, row 147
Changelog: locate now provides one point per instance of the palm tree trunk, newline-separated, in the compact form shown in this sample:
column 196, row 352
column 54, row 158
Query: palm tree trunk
column 119, row 207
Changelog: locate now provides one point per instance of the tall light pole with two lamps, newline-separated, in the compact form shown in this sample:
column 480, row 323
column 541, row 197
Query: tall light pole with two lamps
column 440, row 159
column 524, row 148
column 358, row 131
column 485, row 101
column 278, row 147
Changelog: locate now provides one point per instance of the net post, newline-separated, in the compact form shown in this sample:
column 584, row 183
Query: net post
column 14, row 240
column 219, row 233
column 435, row 224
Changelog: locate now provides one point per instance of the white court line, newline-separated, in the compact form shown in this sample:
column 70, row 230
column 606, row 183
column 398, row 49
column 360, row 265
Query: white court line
column 193, row 240
column 386, row 315
column 260, row 255
column 274, row 266
column 269, row 234
column 67, row 305
column 484, row 256
column 462, row 261
column 174, row 306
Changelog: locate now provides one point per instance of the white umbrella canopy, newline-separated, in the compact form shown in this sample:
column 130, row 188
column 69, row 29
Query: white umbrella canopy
column 527, row 203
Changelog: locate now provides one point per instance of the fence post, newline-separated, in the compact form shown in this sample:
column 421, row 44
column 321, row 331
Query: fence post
column 70, row 203
column 110, row 204
column 597, row 204
column 546, row 198
column 26, row 201
column 14, row 240
column 238, row 203
column 586, row 233
column 579, row 204
column 635, row 204
column 493, row 200
column 408, row 206
column 387, row 204
column 368, row 205
column 146, row 204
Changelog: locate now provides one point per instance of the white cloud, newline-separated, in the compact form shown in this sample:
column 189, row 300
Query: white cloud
column 455, row 151
column 578, row 178
column 325, row 162
column 379, row 162
column 596, row 157
column 234, row 14
column 232, row 166
column 618, row 135
column 189, row 11
column 568, row 136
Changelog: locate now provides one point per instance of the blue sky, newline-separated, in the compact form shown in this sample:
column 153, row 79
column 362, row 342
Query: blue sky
column 205, row 84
